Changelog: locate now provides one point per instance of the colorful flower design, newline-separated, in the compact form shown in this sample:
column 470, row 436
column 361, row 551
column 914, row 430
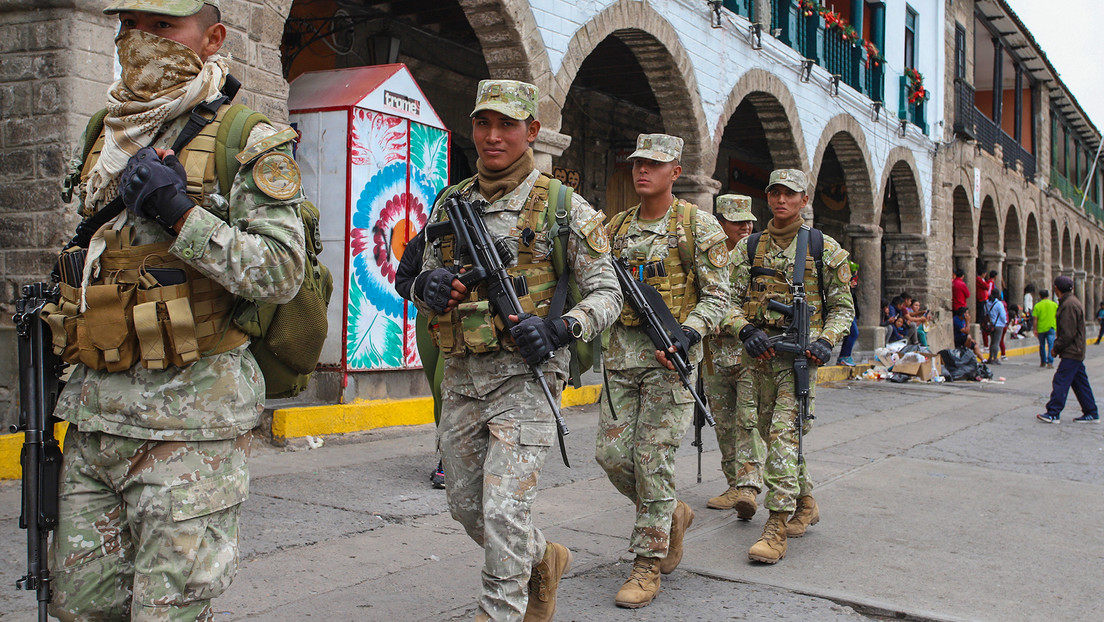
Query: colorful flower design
column 377, row 139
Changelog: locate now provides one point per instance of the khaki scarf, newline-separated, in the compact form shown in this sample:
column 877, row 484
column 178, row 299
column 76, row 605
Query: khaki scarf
column 161, row 80
column 786, row 234
column 494, row 185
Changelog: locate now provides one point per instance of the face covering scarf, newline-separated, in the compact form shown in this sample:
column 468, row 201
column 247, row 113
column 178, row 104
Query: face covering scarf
column 161, row 80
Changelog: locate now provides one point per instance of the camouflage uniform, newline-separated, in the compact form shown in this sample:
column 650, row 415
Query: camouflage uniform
column 733, row 434
column 637, row 440
column 766, row 391
column 496, row 425
column 154, row 469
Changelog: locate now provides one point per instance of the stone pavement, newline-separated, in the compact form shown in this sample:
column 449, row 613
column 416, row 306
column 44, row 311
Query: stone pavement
column 938, row 502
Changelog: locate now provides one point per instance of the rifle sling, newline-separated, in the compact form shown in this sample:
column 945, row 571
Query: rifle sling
column 799, row 256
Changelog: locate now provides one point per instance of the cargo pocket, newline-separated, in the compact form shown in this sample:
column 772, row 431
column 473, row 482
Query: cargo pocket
column 210, row 494
column 537, row 434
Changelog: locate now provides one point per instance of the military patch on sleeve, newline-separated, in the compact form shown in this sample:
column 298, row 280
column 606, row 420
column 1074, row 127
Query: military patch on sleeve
column 596, row 234
column 718, row 254
column 837, row 258
column 277, row 175
column 256, row 149
column 843, row 273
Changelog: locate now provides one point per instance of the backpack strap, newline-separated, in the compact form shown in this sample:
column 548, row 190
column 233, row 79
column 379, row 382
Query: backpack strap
column 232, row 135
column 816, row 247
column 92, row 133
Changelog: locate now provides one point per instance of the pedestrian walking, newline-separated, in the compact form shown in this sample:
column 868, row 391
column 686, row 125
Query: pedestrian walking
column 998, row 320
column 1070, row 346
column 765, row 271
column 155, row 465
column 1045, row 315
column 496, row 425
column 1100, row 321
column 848, row 344
column 680, row 250
column 723, row 349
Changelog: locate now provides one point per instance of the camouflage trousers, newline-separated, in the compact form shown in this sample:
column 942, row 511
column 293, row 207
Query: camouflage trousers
column 766, row 397
column 733, row 433
column 147, row 530
column 493, row 450
column 636, row 446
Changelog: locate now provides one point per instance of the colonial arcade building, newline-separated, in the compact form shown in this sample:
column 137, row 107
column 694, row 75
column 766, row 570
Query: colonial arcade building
column 919, row 161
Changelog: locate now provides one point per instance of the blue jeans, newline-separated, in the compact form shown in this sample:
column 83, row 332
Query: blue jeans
column 1046, row 347
column 849, row 341
column 1071, row 373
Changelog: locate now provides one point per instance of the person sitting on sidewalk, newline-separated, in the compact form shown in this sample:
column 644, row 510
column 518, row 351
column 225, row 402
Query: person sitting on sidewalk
column 962, row 338
column 1070, row 345
column 918, row 319
column 1044, row 314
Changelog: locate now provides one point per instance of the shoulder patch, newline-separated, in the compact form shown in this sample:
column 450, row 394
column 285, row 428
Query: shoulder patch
column 843, row 272
column 598, row 239
column 712, row 237
column 277, row 175
column 718, row 255
column 837, row 258
column 252, row 152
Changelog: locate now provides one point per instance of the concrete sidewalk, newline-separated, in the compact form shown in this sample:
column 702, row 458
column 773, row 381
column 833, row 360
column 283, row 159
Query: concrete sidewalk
column 938, row 502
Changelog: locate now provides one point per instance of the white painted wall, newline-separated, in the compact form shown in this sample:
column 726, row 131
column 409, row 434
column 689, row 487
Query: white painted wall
column 721, row 57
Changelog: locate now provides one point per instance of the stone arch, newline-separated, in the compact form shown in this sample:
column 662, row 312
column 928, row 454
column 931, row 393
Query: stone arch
column 511, row 43
column 963, row 221
column 1067, row 252
column 670, row 72
column 844, row 134
column 900, row 171
column 777, row 112
column 1013, row 239
column 989, row 234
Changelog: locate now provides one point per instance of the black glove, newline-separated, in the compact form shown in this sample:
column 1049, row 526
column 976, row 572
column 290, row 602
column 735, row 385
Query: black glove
column 435, row 288
column 692, row 336
column 155, row 188
column 756, row 342
column 537, row 339
column 821, row 350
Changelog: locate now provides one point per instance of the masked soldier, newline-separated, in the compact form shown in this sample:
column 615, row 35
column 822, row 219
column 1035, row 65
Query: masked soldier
column 164, row 391
column 680, row 250
column 764, row 271
column 496, row 425
column 733, row 434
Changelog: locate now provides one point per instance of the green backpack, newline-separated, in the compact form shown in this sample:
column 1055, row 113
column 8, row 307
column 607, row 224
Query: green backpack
column 286, row 339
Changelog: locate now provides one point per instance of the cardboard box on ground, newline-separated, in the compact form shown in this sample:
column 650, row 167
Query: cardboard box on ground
column 923, row 365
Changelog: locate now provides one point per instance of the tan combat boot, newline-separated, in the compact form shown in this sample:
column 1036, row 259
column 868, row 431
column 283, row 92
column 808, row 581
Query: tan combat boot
column 807, row 514
column 745, row 502
column 771, row 546
column 723, row 501
column 642, row 586
column 680, row 521
column 545, row 580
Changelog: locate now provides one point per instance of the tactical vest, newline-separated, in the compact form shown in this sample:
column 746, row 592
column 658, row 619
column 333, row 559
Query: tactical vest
column 473, row 327
column 677, row 286
column 769, row 284
column 147, row 305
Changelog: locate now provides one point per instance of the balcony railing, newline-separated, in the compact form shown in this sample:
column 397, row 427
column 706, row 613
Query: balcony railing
column 972, row 123
column 741, row 7
column 1071, row 191
column 912, row 112
column 825, row 47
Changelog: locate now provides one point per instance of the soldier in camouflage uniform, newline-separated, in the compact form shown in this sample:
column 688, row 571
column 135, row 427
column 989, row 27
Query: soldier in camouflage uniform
column 155, row 461
column 496, row 426
column 720, row 380
column 766, row 392
column 680, row 250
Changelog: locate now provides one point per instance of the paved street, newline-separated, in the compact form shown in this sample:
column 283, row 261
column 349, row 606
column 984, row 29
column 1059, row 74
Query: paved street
column 938, row 502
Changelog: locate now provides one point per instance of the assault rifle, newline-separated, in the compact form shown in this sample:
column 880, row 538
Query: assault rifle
column 488, row 258
column 660, row 326
column 795, row 339
column 40, row 459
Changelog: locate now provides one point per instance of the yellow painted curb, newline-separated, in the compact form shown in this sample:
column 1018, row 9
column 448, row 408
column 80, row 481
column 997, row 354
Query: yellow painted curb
column 12, row 444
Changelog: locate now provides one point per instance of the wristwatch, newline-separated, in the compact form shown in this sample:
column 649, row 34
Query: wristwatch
column 574, row 327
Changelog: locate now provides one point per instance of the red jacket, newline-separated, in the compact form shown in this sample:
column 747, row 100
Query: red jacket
column 982, row 287
column 960, row 293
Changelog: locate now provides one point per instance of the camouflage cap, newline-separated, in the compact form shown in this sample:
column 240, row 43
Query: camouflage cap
column 658, row 147
column 517, row 100
column 176, row 8
column 789, row 177
column 735, row 208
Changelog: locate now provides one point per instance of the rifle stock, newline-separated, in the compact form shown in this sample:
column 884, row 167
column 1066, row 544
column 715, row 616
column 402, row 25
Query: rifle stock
column 40, row 458
column 487, row 261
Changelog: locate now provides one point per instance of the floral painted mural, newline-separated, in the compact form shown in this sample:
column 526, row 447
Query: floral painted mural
column 397, row 169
